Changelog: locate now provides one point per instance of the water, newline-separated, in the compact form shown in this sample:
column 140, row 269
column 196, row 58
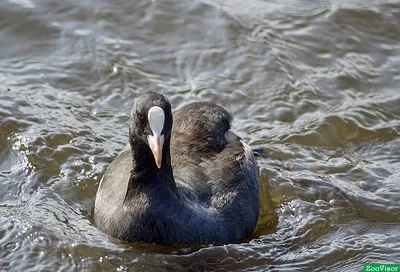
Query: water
column 314, row 86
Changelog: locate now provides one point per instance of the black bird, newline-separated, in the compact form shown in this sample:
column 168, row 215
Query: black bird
column 191, row 181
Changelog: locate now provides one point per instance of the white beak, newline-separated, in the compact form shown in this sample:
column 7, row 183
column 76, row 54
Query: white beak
column 156, row 144
column 156, row 119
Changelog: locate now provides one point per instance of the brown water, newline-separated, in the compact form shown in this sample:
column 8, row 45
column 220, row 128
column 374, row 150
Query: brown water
column 314, row 86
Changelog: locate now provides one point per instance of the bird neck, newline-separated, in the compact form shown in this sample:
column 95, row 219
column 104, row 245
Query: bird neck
column 145, row 172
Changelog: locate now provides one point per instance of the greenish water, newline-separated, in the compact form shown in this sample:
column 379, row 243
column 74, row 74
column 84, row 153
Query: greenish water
column 314, row 87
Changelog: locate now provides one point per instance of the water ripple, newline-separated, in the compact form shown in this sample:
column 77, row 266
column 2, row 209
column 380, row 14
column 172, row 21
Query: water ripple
column 312, row 86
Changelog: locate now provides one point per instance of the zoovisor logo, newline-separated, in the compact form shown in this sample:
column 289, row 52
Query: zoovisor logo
column 381, row 267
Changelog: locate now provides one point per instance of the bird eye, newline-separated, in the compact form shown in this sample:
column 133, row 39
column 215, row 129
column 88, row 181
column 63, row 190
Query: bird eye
column 141, row 117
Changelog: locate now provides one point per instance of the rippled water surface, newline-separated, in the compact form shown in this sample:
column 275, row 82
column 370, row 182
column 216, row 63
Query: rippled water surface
column 314, row 86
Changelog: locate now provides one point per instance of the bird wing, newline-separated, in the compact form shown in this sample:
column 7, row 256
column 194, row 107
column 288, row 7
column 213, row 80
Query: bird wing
column 211, row 163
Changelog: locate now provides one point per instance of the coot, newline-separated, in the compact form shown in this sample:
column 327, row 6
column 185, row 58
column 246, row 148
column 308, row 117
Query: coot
column 191, row 181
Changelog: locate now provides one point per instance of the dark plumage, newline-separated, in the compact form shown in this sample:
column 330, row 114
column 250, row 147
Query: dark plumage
column 204, row 191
